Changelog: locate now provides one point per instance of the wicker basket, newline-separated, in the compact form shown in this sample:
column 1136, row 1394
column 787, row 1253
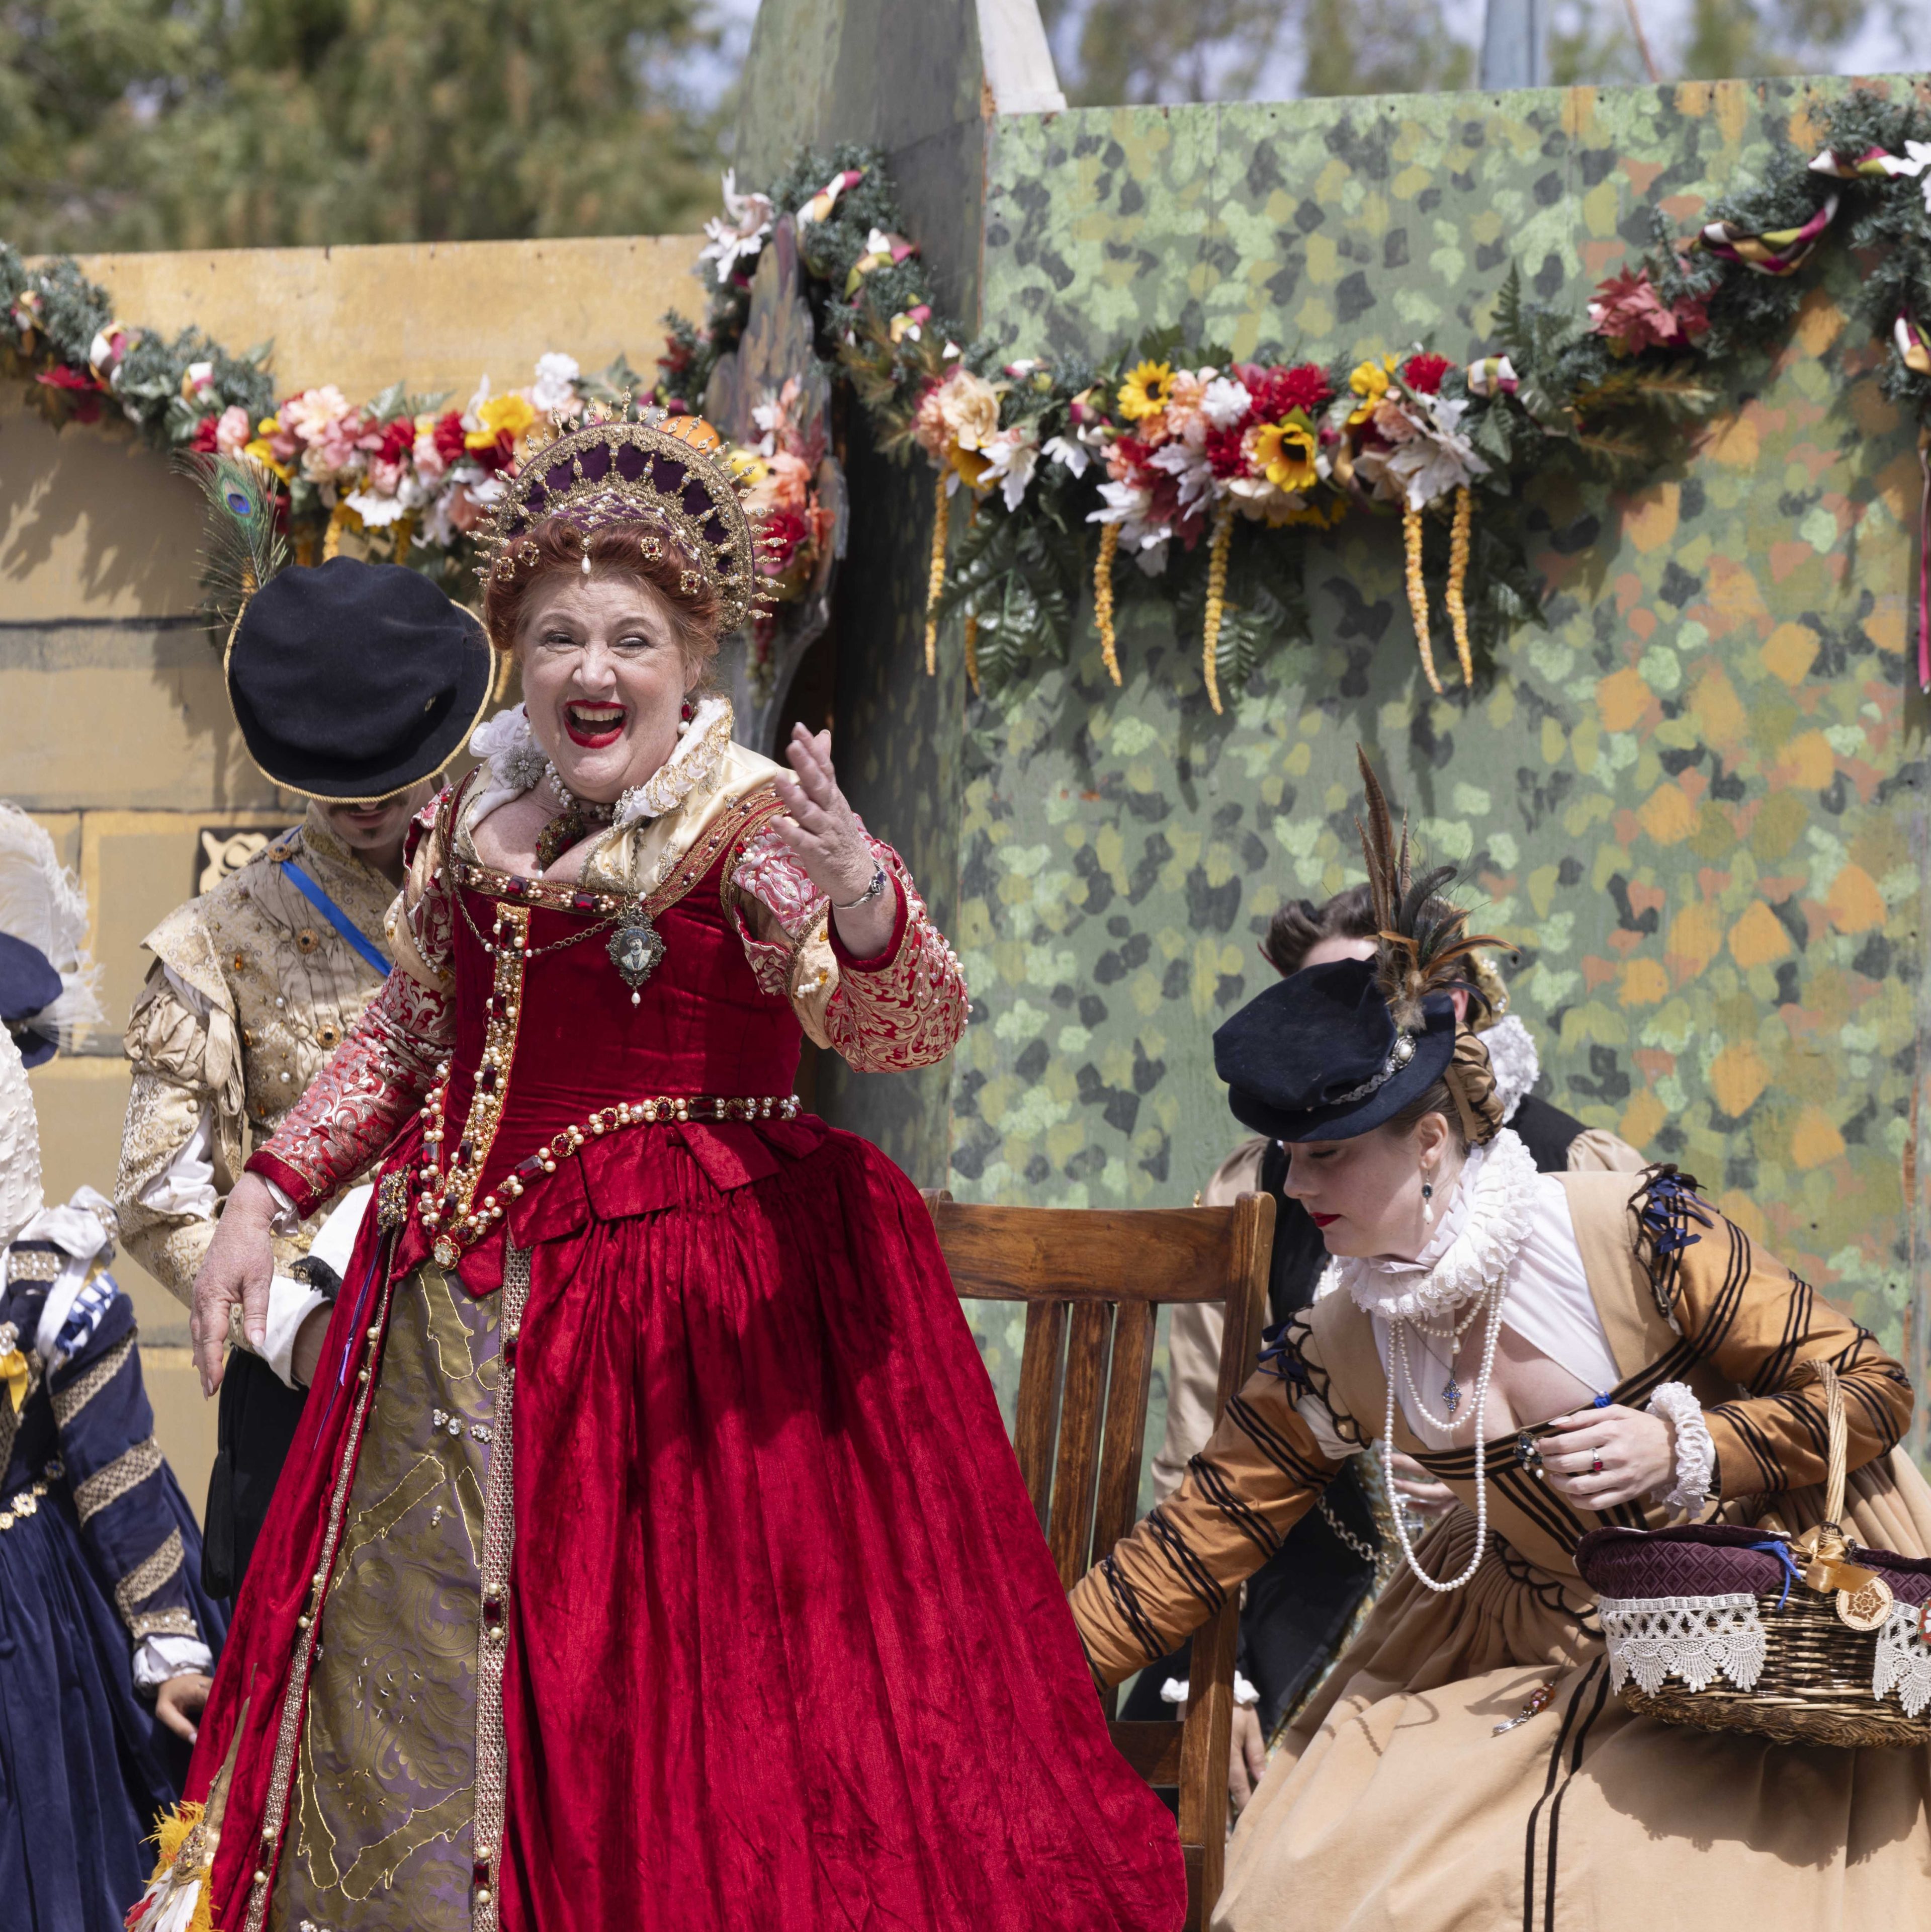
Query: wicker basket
column 1713, row 1626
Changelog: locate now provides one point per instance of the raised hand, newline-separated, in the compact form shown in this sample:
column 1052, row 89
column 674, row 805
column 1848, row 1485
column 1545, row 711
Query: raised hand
column 824, row 834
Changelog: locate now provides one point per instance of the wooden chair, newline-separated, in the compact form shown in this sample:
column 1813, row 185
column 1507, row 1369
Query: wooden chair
column 1093, row 1281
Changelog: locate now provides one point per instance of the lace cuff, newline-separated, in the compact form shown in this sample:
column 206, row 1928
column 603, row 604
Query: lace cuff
column 1696, row 1453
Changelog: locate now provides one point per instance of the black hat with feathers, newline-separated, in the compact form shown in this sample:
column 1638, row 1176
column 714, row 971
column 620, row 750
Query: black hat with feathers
column 1337, row 1050
column 351, row 682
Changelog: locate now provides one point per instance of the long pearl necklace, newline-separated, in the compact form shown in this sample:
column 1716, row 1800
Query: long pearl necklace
column 1492, row 1297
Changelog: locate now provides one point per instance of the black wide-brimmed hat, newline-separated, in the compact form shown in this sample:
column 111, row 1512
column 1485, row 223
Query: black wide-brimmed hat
column 29, row 984
column 1318, row 1057
column 352, row 681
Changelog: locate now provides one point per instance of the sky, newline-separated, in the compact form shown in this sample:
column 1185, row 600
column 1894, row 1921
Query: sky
column 1891, row 40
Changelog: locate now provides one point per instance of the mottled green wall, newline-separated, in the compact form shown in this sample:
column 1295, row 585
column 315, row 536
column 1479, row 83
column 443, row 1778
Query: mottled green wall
column 1695, row 802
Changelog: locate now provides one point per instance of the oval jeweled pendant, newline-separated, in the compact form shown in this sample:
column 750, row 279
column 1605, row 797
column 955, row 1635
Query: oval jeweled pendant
column 446, row 1251
column 636, row 948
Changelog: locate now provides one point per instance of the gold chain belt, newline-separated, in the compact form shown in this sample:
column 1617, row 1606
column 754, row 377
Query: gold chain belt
column 441, row 1195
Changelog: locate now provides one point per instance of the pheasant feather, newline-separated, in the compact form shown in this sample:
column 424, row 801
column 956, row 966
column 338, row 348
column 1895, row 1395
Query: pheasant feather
column 1423, row 935
column 242, row 545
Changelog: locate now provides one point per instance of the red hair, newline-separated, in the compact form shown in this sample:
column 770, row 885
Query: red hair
column 636, row 549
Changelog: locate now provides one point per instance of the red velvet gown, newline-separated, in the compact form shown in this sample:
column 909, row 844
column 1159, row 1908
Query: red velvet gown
column 779, row 1642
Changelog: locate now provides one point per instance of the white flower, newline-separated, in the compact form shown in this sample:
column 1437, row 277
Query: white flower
column 1012, row 456
column 556, row 385
column 1130, row 506
column 377, row 512
column 1494, row 375
column 1075, row 456
column 740, row 232
column 1226, row 402
column 1195, row 474
column 1439, row 459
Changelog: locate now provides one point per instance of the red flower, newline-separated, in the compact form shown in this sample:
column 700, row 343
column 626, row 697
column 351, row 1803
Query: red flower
column 449, row 434
column 398, row 439
column 1422, row 373
column 1693, row 315
column 1633, row 316
column 790, row 529
column 676, row 357
column 202, row 442
column 60, row 376
column 1137, row 453
column 1277, row 393
column 1222, row 450
column 497, row 455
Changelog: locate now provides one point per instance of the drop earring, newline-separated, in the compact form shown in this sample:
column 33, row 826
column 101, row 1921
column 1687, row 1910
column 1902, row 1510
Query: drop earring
column 1427, row 1210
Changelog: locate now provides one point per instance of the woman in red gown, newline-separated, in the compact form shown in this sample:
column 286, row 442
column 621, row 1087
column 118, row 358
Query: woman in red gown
column 652, row 1555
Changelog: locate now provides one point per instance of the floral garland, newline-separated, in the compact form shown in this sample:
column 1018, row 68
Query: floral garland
column 1209, row 473
column 405, row 478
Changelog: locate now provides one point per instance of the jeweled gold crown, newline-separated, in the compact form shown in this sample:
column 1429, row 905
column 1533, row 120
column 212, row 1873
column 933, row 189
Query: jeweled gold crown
column 671, row 472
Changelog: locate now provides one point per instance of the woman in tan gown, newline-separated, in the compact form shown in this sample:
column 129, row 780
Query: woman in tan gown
column 1563, row 1351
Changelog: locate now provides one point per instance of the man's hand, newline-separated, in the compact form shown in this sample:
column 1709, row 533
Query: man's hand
column 237, row 1270
column 181, row 1700
column 1246, row 1757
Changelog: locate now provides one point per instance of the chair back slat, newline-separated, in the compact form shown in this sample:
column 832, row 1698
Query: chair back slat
column 1036, row 1423
column 1075, row 1470
column 1162, row 1255
column 1116, row 1506
column 1093, row 1281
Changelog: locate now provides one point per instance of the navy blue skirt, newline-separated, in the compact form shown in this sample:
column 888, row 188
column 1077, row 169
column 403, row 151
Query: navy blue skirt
column 85, row 1768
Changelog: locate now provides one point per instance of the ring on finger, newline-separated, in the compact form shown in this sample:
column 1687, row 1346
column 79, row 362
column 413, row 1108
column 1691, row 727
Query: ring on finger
column 1596, row 1466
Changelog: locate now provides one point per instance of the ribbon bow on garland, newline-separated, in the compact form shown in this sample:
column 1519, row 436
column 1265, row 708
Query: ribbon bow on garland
column 1208, row 474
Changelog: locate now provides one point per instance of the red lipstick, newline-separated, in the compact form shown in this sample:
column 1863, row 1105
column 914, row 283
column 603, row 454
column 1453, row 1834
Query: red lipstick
column 1323, row 1220
column 594, row 726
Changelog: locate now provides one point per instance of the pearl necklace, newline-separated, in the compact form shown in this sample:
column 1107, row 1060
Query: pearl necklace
column 1492, row 1298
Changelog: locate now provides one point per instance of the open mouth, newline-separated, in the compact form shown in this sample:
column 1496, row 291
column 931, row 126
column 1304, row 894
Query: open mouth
column 594, row 725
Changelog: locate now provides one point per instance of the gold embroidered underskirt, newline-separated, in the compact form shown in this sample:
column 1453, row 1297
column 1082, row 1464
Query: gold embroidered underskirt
column 381, row 1839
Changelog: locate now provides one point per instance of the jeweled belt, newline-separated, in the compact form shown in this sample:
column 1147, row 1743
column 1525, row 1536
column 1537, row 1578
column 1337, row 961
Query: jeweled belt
column 441, row 1197
column 25, row 1501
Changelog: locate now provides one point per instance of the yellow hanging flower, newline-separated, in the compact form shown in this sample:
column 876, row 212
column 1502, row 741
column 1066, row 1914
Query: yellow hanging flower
column 1146, row 391
column 1371, row 384
column 263, row 452
column 1285, row 452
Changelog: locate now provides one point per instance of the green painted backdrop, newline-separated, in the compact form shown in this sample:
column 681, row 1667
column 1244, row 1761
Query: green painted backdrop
column 1694, row 802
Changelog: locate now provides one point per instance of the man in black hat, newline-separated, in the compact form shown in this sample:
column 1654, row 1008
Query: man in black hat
column 353, row 684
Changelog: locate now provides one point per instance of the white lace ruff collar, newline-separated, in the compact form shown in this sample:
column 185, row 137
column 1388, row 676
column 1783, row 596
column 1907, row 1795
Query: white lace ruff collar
column 517, row 762
column 1473, row 1246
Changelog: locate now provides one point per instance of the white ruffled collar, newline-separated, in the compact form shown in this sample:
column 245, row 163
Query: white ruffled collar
column 516, row 763
column 1474, row 1245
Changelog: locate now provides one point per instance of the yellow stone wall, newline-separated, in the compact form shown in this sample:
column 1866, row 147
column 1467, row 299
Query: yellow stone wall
column 114, row 730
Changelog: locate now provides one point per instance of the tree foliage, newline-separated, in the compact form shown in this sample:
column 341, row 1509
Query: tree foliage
column 169, row 124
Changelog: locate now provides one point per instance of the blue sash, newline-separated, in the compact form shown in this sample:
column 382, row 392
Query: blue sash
column 336, row 917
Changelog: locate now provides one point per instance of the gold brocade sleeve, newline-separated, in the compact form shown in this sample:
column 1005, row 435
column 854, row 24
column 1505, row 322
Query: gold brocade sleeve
column 1744, row 1314
column 1259, row 1473
column 184, row 1062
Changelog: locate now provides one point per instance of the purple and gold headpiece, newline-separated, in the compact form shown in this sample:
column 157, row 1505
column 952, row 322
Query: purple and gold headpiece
column 669, row 471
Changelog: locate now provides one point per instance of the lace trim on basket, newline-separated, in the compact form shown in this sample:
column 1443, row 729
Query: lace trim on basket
column 1696, row 1639
column 1904, row 1660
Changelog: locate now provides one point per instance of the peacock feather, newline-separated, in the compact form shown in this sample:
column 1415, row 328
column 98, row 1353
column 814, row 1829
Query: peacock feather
column 242, row 544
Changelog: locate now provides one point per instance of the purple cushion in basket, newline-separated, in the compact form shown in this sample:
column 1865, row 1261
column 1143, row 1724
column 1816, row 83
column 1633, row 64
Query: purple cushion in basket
column 1717, row 1560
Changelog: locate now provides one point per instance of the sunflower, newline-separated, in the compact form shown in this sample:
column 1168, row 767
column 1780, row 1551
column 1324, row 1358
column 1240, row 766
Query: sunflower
column 1285, row 454
column 1146, row 391
column 1371, row 384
